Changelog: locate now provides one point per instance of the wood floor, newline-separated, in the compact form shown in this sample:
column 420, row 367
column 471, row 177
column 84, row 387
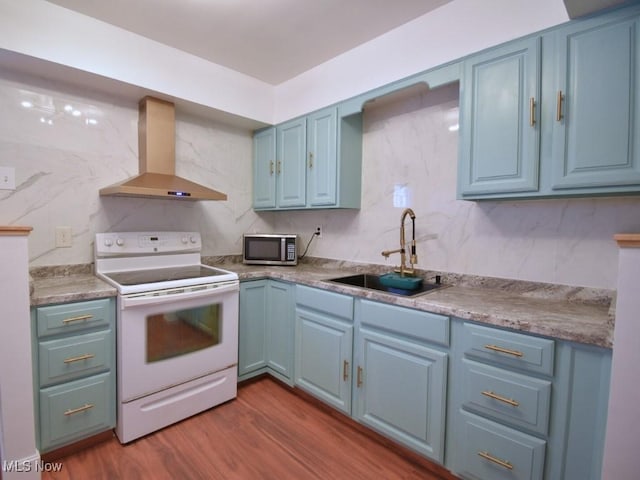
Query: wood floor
column 268, row 432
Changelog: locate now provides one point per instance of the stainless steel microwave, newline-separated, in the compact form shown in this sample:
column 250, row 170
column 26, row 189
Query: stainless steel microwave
column 270, row 249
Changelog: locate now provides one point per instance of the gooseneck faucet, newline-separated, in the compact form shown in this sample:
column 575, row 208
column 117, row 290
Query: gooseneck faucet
column 413, row 259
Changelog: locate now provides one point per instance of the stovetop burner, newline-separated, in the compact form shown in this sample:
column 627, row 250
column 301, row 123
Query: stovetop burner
column 155, row 275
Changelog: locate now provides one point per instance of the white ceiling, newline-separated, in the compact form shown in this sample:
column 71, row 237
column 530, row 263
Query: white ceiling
column 272, row 40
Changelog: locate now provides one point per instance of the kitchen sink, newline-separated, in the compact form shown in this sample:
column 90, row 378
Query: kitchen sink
column 372, row 282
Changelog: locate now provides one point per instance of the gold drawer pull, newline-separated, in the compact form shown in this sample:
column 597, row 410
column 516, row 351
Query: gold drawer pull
column 345, row 370
column 271, row 167
column 359, row 380
column 79, row 358
column 279, row 167
column 559, row 115
column 496, row 348
column 532, row 112
column 497, row 461
column 84, row 408
column 79, row 318
column 500, row 398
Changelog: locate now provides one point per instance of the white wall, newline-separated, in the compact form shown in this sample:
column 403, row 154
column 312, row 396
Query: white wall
column 46, row 31
column 16, row 387
column 450, row 32
column 623, row 423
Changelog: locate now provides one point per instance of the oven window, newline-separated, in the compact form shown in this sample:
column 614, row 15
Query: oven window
column 184, row 331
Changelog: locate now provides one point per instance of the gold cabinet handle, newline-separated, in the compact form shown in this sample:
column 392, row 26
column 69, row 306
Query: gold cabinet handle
column 500, row 398
column 359, row 379
column 310, row 160
column 345, row 370
column 79, row 358
column 532, row 112
column 559, row 115
column 271, row 167
column 279, row 169
column 496, row 348
column 84, row 408
column 79, row 318
column 497, row 461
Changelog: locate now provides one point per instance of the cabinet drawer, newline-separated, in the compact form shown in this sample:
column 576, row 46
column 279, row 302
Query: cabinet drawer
column 73, row 317
column 421, row 325
column 510, row 397
column 510, row 349
column 74, row 357
column 331, row 303
column 75, row 410
column 495, row 452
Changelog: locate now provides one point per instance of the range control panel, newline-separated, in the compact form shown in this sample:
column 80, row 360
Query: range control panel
column 141, row 243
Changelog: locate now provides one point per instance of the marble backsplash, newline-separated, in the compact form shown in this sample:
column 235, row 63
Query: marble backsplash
column 409, row 159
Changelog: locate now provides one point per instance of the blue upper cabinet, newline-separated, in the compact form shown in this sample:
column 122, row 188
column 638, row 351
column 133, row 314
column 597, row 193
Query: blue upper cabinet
column 309, row 163
column 322, row 157
column 264, row 168
column 554, row 114
column 291, row 171
column 499, row 126
column 595, row 133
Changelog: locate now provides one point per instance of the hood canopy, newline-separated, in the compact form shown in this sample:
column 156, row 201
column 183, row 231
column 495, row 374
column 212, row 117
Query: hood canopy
column 157, row 154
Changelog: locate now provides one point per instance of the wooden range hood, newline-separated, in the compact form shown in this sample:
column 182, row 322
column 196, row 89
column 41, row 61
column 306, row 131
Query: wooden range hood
column 157, row 159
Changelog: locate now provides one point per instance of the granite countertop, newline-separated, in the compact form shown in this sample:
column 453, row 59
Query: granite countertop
column 568, row 313
column 576, row 314
column 67, row 284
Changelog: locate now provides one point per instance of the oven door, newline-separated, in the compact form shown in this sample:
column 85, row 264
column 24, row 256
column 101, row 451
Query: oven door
column 167, row 338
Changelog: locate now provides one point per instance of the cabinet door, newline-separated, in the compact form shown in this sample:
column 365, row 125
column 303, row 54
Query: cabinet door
column 322, row 161
column 323, row 357
column 595, row 135
column 499, row 128
column 264, row 169
column 252, row 351
column 401, row 391
column 280, row 326
column 291, row 165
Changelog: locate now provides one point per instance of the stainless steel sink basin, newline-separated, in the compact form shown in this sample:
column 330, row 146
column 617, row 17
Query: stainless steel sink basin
column 372, row 282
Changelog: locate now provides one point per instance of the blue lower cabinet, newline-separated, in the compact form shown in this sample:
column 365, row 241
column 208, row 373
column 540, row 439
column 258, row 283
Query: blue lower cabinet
column 324, row 345
column 74, row 371
column 526, row 407
column 265, row 330
column 401, row 391
column 384, row 365
column 401, row 370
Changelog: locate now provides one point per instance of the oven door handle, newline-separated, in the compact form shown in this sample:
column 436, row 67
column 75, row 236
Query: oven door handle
column 177, row 294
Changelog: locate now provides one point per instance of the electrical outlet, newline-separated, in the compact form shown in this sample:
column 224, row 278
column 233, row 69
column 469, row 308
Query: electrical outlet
column 63, row 237
column 318, row 231
column 7, row 178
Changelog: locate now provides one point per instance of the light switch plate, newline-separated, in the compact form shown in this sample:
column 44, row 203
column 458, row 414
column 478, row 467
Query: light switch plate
column 7, row 178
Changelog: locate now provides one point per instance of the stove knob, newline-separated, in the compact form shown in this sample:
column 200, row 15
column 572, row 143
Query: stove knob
column 119, row 242
column 108, row 242
column 193, row 239
column 185, row 240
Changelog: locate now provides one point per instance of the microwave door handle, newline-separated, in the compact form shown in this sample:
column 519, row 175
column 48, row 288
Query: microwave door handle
column 283, row 248
column 145, row 300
